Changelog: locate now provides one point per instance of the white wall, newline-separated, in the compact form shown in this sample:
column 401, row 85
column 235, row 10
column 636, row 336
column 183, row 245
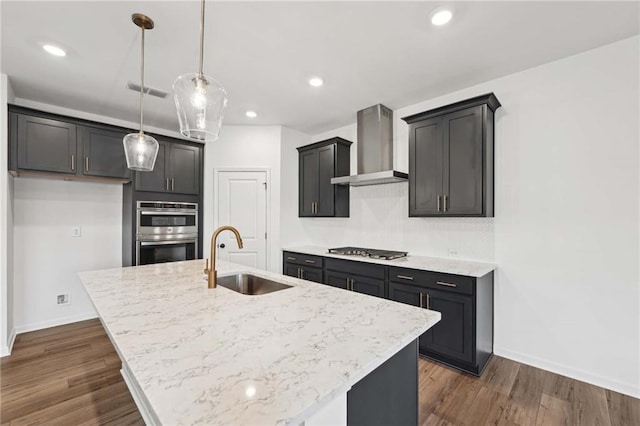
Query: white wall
column 566, row 232
column 245, row 147
column 48, row 258
column 7, row 331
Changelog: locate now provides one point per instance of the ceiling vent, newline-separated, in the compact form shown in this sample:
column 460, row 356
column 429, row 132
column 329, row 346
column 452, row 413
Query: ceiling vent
column 147, row 90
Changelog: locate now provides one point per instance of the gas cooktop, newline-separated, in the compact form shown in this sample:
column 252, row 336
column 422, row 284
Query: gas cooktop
column 366, row 252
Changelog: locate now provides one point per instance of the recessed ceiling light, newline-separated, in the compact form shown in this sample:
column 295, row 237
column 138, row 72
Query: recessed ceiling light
column 316, row 81
column 441, row 16
column 251, row 114
column 54, row 50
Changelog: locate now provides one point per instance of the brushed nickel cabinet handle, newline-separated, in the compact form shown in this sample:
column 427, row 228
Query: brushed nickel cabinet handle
column 428, row 301
column 421, row 300
column 291, row 258
column 310, row 261
column 173, row 186
column 445, row 204
column 446, row 284
column 405, row 277
column 348, row 284
column 352, row 282
column 86, row 164
column 166, row 185
column 439, row 202
column 302, row 273
column 73, row 163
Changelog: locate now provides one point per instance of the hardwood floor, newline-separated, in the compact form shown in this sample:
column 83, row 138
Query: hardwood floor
column 70, row 375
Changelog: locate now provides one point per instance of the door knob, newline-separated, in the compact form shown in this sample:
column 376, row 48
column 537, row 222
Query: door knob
column 222, row 245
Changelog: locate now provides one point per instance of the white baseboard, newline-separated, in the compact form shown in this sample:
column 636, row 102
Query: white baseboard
column 56, row 322
column 574, row 373
column 6, row 349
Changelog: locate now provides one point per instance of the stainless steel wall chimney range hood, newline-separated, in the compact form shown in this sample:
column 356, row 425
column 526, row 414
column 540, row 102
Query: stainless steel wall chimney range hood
column 375, row 150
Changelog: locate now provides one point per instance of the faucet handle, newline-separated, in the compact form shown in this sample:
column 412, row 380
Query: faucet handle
column 206, row 268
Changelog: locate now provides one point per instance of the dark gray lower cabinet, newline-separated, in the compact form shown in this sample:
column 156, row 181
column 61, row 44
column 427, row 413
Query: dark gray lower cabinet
column 464, row 336
column 303, row 266
column 361, row 277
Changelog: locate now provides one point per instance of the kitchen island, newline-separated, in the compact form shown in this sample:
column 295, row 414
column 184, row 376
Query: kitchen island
column 309, row 353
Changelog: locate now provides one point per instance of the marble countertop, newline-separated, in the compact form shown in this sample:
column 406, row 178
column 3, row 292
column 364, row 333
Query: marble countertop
column 217, row 357
column 435, row 264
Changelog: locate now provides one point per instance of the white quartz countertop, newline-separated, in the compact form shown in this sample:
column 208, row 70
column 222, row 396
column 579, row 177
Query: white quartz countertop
column 436, row 264
column 216, row 357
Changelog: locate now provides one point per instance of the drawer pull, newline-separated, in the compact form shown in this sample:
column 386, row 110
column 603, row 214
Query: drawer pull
column 405, row 277
column 291, row 258
column 421, row 302
column 309, row 261
column 446, row 284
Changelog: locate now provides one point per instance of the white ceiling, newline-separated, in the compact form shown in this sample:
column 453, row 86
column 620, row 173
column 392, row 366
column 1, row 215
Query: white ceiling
column 264, row 52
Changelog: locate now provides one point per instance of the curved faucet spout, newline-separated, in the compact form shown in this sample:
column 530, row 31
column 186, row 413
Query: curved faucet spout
column 211, row 271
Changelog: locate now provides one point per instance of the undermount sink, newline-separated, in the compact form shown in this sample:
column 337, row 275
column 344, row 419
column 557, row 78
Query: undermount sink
column 250, row 284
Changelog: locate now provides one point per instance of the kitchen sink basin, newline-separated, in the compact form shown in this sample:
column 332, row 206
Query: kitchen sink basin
column 250, row 284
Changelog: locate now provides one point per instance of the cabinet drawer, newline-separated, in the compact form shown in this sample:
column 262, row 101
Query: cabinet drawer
column 355, row 268
column 303, row 259
column 434, row 280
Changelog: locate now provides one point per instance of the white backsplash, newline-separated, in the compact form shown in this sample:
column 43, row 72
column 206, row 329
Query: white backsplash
column 379, row 219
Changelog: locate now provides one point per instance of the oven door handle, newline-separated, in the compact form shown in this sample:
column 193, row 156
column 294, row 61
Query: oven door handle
column 173, row 213
column 165, row 243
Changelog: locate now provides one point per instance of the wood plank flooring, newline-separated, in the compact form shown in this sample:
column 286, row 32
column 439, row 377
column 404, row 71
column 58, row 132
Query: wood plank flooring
column 70, row 375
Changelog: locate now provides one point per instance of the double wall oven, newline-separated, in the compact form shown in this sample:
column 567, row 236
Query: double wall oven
column 166, row 232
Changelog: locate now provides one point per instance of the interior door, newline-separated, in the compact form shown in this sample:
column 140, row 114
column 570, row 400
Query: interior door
column 241, row 198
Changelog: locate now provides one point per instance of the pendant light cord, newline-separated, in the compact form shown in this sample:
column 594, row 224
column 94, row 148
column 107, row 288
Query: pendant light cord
column 141, row 80
column 201, row 36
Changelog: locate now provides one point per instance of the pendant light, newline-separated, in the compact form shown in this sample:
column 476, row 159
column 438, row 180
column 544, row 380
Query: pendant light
column 141, row 150
column 200, row 100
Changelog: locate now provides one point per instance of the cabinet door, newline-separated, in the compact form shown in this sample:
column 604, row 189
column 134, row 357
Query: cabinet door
column 370, row 286
column 308, row 182
column 452, row 336
column 337, row 279
column 103, row 153
column 463, row 162
column 184, row 169
column 311, row 274
column 46, row 145
column 426, row 167
column 291, row 270
column 326, row 170
column 410, row 295
column 155, row 180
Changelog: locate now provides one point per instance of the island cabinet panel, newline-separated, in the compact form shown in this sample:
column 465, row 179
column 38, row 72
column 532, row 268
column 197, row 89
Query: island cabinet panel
column 389, row 394
column 103, row 153
column 451, row 168
column 317, row 164
column 177, row 170
column 45, row 145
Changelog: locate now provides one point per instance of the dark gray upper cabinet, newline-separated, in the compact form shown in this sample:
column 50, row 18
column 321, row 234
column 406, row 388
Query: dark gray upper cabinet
column 156, row 179
column 318, row 163
column 44, row 144
column 451, row 159
column 177, row 170
column 184, row 169
column 102, row 153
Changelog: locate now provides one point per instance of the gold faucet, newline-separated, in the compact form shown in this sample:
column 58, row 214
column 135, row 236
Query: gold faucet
column 212, row 274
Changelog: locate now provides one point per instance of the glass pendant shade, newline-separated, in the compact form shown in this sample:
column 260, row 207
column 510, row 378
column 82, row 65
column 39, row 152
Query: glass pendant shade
column 200, row 103
column 141, row 151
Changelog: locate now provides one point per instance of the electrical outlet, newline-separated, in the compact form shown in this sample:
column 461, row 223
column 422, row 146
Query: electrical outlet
column 76, row 232
column 63, row 299
column 453, row 252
